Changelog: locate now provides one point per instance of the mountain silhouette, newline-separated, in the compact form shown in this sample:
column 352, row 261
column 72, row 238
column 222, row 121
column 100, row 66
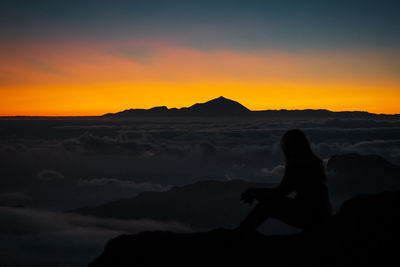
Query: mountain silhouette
column 365, row 232
column 365, row 165
column 223, row 107
column 204, row 204
column 351, row 174
column 218, row 106
column 210, row 204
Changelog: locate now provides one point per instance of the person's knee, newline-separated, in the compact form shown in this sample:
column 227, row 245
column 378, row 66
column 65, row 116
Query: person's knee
column 265, row 206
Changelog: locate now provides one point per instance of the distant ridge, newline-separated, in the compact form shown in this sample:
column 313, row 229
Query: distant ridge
column 220, row 106
column 223, row 107
column 216, row 203
column 212, row 203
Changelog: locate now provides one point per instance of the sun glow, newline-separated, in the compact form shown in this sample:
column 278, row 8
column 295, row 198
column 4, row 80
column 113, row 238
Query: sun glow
column 90, row 78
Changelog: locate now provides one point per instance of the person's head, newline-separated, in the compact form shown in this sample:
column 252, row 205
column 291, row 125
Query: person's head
column 295, row 145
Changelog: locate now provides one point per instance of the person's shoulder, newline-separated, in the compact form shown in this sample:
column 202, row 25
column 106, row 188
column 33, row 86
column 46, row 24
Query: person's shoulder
column 314, row 160
column 318, row 160
column 306, row 161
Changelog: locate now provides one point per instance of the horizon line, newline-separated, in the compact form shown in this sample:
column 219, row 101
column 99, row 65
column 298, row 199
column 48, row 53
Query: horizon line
column 213, row 99
column 266, row 110
column 220, row 97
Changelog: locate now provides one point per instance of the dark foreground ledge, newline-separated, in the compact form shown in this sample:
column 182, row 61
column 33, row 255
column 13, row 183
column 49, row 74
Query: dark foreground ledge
column 364, row 232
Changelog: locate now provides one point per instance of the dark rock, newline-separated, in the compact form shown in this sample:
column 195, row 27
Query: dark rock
column 352, row 174
column 364, row 232
column 356, row 164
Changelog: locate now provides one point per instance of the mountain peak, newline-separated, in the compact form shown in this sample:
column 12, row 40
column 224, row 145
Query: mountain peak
column 221, row 98
column 219, row 106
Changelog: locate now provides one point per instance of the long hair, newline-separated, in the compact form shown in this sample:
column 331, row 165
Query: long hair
column 295, row 146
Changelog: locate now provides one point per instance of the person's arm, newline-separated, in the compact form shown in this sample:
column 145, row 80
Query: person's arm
column 283, row 189
column 286, row 186
column 260, row 194
column 257, row 193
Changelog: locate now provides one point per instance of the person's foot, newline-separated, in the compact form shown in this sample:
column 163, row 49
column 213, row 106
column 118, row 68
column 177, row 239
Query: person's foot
column 220, row 230
column 244, row 231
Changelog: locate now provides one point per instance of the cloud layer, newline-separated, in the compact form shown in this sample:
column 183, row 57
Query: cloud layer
column 70, row 163
column 39, row 238
column 64, row 164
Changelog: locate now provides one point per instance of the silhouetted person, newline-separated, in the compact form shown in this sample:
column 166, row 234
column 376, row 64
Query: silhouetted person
column 304, row 177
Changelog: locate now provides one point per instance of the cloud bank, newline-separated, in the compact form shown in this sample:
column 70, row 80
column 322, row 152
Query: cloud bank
column 39, row 238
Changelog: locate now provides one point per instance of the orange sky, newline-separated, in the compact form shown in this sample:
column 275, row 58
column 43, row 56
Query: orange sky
column 62, row 77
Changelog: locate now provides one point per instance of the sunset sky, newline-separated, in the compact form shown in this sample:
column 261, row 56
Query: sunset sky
column 94, row 57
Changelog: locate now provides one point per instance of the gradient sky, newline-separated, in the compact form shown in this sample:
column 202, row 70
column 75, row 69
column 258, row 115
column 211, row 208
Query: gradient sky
column 94, row 57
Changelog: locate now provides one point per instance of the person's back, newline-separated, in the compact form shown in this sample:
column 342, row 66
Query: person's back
column 305, row 177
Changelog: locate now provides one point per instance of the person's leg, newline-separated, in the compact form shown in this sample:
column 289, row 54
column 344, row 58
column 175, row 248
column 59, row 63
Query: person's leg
column 284, row 209
column 290, row 211
column 256, row 217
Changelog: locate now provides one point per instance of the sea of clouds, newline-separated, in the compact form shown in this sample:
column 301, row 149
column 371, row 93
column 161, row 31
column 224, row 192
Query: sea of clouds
column 48, row 167
column 66, row 164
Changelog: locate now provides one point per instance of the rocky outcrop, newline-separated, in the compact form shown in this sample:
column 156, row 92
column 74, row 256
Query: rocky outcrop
column 204, row 205
column 353, row 174
column 364, row 232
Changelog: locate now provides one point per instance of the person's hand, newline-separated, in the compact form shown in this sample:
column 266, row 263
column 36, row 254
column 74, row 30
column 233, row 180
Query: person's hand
column 248, row 196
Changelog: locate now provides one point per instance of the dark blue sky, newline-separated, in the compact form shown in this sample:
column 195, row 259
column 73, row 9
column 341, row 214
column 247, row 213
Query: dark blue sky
column 250, row 24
